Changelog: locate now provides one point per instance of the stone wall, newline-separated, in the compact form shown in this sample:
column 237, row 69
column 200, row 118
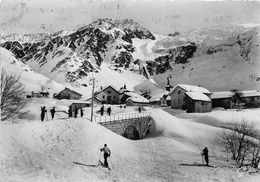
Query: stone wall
column 142, row 124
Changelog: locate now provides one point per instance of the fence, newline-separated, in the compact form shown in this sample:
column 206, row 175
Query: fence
column 120, row 117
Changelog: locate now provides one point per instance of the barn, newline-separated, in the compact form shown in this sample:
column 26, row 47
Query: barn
column 197, row 102
column 223, row 99
column 68, row 94
column 251, row 98
column 108, row 95
column 79, row 105
column 177, row 94
column 136, row 100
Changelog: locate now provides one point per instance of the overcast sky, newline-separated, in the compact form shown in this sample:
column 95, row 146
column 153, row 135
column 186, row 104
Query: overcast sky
column 26, row 16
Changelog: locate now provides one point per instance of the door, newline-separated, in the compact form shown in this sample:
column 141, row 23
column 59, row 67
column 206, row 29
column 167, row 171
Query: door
column 109, row 99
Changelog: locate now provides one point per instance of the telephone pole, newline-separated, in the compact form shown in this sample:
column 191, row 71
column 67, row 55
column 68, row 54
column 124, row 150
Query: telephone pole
column 92, row 100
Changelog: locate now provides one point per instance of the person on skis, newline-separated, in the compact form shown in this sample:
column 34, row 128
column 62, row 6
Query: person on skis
column 205, row 153
column 102, row 110
column 70, row 112
column 139, row 109
column 52, row 111
column 81, row 112
column 43, row 111
column 109, row 110
column 107, row 154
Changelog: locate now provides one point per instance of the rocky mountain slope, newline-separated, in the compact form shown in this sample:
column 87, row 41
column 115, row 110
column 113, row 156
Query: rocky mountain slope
column 124, row 47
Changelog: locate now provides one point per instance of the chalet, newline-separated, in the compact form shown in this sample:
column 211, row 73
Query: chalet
column 251, row 98
column 177, row 94
column 136, row 99
column 68, row 94
column 108, row 95
column 197, row 102
column 225, row 99
column 79, row 105
column 160, row 98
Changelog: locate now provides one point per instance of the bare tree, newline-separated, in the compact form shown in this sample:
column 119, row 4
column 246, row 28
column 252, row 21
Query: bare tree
column 12, row 95
column 242, row 143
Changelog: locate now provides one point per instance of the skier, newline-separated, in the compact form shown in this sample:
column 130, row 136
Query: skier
column 81, row 112
column 107, row 154
column 43, row 111
column 139, row 109
column 52, row 111
column 109, row 111
column 75, row 112
column 102, row 110
column 205, row 153
column 70, row 112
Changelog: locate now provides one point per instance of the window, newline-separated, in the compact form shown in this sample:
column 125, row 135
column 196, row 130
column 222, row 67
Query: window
column 179, row 92
column 103, row 96
column 114, row 97
column 252, row 99
column 109, row 92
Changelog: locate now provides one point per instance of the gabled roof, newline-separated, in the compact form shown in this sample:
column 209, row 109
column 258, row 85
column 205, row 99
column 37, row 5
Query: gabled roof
column 191, row 88
column 72, row 91
column 249, row 93
column 101, row 90
column 198, row 96
column 135, row 97
column 157, row 96
column 95, row 98
column 222, row 95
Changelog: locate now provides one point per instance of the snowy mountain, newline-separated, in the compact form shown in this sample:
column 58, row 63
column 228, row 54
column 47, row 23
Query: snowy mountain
column 129, row 53
column 31, row 80
column 223, row 58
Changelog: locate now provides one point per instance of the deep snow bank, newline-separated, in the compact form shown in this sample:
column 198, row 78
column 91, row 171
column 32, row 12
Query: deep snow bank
column 46, row 151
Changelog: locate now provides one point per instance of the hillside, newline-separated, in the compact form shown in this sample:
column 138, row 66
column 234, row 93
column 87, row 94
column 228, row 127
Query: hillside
column 31, row 80
column 219, row 58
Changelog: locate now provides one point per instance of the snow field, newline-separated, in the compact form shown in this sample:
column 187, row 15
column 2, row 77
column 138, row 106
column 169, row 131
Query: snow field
column 45, row 151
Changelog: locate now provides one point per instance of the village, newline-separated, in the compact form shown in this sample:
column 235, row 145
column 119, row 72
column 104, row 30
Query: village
column 189, row 98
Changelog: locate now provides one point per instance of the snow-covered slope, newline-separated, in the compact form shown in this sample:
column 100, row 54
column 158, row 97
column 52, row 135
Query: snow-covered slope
column 31, row 80
column 224, row 59
column 36, row 151
column 75, row 57
column 219, row 58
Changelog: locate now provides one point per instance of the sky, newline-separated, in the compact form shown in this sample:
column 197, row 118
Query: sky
column 162, row 17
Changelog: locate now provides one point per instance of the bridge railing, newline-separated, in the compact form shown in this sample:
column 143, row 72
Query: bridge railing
column 120, row 117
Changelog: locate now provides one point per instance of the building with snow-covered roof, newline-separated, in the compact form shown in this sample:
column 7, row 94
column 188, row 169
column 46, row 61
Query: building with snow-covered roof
column 136, row 99
column 160, row 98
column 251, row 98
column 225, row 99
column 108, row 95
column 178, row 94
column 68, row 94
column 197, row 102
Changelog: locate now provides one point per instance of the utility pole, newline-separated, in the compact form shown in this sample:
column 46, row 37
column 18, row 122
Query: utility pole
column 92, row 101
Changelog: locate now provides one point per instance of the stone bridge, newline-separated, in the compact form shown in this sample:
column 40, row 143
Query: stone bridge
column 132, row 127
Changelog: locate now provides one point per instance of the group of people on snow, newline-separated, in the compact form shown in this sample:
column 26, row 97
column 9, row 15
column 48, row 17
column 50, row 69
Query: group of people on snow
column 109, row 110
column 76, row 111
column 44, row 112
column 53, row 111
